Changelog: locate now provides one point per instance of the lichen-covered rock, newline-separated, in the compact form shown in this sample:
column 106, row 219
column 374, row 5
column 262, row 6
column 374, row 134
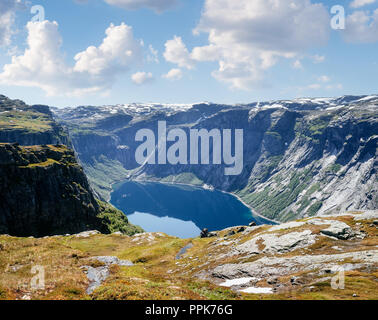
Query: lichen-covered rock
column 279, row 266
column 109, row 260
column 87, row 234
column 339, row 230
column 272, row 243
column 98, row 275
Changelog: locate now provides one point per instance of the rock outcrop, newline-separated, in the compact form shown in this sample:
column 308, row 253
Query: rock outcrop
column 294, row 254
column 97, row 275
column 44, row 191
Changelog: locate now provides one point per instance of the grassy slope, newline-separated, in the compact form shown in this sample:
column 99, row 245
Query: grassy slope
column 156, row 274
column 25, row 120
column 16, row 116
column 103, row 173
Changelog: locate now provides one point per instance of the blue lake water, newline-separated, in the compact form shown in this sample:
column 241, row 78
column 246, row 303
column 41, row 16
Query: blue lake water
column 178, row 210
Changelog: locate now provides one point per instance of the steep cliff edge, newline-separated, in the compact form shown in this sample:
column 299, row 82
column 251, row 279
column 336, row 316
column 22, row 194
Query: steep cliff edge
column 44, row 191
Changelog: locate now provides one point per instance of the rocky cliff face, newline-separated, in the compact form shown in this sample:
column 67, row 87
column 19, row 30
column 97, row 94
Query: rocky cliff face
column 43, row 191
column 301, row 158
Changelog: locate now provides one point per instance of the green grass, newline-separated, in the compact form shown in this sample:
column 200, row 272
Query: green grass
column 272, row 203
column 317, row 126
column 102, row 173
column 30, row 121
column 314, row 208
column 3, row 294
column 211, row 293
column 334, row 168
column 148, row 278
column 46, row 163
column 274, row 134
column 115, row 220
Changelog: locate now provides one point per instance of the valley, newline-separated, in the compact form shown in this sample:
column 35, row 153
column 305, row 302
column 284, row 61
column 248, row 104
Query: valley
column 309, row 164
column 301, row 158
column 191, row 155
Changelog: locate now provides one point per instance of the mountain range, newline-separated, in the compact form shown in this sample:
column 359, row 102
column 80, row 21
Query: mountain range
column 302, row 157
column 309, row 159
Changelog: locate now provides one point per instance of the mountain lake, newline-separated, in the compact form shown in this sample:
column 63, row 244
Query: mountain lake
column 180, row 210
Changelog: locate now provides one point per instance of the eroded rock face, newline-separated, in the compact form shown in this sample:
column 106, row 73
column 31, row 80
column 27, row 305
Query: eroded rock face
column 96, row 276
column 43, row 191
column 87, row 234
column 367, row 215
column 109, row 260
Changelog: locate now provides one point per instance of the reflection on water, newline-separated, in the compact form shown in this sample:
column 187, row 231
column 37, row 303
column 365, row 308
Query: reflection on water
column 172, row 226
column 180, row 210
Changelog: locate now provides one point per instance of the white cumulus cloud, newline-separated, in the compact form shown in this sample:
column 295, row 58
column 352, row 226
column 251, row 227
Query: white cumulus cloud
column 318, row 58
column 140, row 78
column 116, row 53
column 7, row 18
column 324, row 79
column 297, row 64
column 153, row 55
column 248, row 37
column 176, row 52
column 42, row 64
column 361, row 3
column 362, row 27
column 173, row 75
column 324, row 83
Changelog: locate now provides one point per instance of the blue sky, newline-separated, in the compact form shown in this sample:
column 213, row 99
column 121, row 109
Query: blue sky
column 243, row 51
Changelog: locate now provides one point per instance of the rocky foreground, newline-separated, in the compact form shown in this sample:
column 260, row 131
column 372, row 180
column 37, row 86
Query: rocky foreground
column 325, row 257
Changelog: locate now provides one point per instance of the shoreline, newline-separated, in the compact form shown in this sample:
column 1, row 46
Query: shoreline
column 253, row 211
